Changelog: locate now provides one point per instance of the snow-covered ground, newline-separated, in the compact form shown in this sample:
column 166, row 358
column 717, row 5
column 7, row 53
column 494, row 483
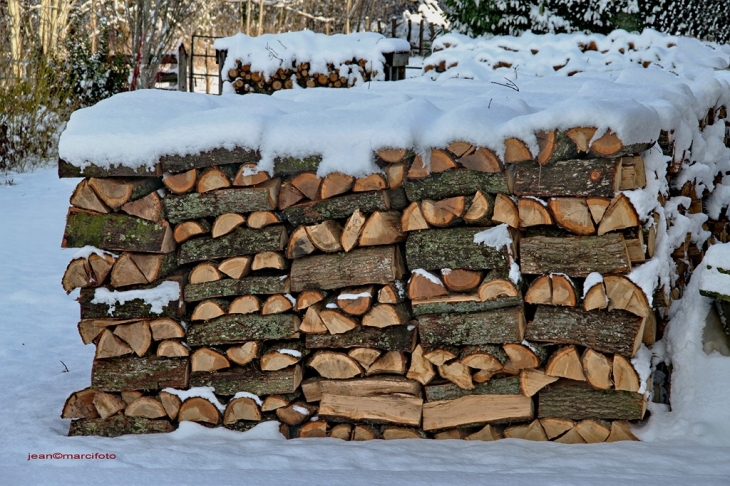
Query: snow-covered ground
column 38, row 332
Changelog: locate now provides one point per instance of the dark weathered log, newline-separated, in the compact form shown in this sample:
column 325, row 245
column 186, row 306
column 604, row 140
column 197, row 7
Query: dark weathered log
column 66, row 169
column 576, row 177
column 286, row 166
column 337, row 207
column 242, row 241
column 455, row 182
column 450, row 391
column 394, row 338
column 451, row 248
column 578, row 401
column 239, row 328
column 134, row 373
column 271, row 284
column 374, row 265
column 576, row 256
column 116, row 232
column 617, row 331
column 432, row 306
column 234, row 200
column 250, row 379
column 219, row 156
column 497, row 326
column 131, row 309
column 118, row 425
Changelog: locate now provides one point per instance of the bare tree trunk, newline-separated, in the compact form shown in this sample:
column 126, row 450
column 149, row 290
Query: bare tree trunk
column 248, row 18
column 16, row 43
column 261, row 18
column 348, row 9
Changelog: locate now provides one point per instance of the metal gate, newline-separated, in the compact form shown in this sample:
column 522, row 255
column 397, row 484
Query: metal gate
column 203, row 70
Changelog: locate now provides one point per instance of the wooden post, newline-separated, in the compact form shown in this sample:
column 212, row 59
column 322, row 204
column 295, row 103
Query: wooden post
column 367, row 24
column 327, row 27
column 410, row 30
column 380, row 27
column 347, row 16
column 261, row 18
column 420, row 39
column 248, row 18
column 393, row 27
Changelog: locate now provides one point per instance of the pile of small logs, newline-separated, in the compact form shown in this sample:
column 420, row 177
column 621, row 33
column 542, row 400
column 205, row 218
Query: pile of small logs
column 385, row 306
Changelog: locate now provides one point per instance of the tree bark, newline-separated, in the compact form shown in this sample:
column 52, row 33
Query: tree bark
column 239, row 328
column 250, row 379
column 337, row 207
column 579, row 401
column 450, row 391
column 492, row 327
column 575, row 256
column 451, row 248
column 576, row 177
column 215, row 157
column 242, row 241
column 134, row 373
column 116, row 232
column 455, row 182
column 394, row 338
column 118, row 425
column 268, row 285
column 194, row 205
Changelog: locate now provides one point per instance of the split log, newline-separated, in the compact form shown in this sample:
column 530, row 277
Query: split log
column 116, row 232
column 532, row 381
column 181, row 183
column 421, row 369
column 597, row 369
column 239, row 328
column 481, row 209
column 620, row 430
column 137, row 335
column 445, row 212
column 620, row 214
column 288, row 196
column 325, row 236
column 364, row 356
column 390, row 409
column 487, row 357
column 496, row 288
column 118, row 425
column 624, row 294
column 244, row 353
column 476, row 410
column 597, row 206
column 382, row 228
column 553, row 289
column 125, row 272
column 450, row 391
column 236, row 267
column 579, row 401
column 575, row 177
column 397, row 433
column 413, row 219
column 78, row 275
column 225, row 223
column 90, row 329
column 312, row 322
column 555, row 427
column 187, row 229
column 314, row 388
column 128, row 396
column 456, row 182
column 334, row 184
column 609, row 145
column 171, row 403
column 532, row 431
column 457, row 373
column 110, row 346
column 376, row 265
column 309, row 298
column 299, row 244
column 262, row 219
column 461, row 280
column 308, row 184
column 117, row 192
column 250, row 175
column 481, row 160
column 492, row 327
column 269, row 260
column 206, row 359
column 592, row 431
column 460, row 148
column 334, row 365
column 575, row 256
column 394, row 338
column 250, row 379
column 392, row 155
column 211, row 179
column 439, row 161
column 204, row 272
column 106, row 405
column 352, row 230
column 425, row 285
column 296, row 413
column 373, row 182
column 84, row 197
column 516, row 151
column 171, row 349
column 625, row 376
column 80, row 404
column 581, row 137
column 215, row 157
column 242, row 241
column 355, row 301
column 533, row 212
column 633, row 173
column 487, row 433
column 198, row 409
column 572, row 214
column 555, row 145
column 272, row 402
column 506, row 211
column 146, row 407
column 451, row 248
column 392, row 362
column 395, row 175
column 392, row 293
column 133, row 373
column 271, row 284
column 461, row 303
column 335, row 322
column 101, row 266
column 442, row 356
column 595, row 298
column 166, row 328
column 525, row 356
column 337, row 207
column 565, row 363
column 277, row 304
column 242, row 408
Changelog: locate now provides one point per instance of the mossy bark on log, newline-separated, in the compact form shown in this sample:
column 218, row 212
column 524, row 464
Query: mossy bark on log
column 616, row 331
column 193, row 205
column 66, row 169
column 393, row 338
column 271, row 284
column 397, row 199
column 219, row 156
column 131, row 309
column 575, row 256
column 579, row 401
column 118, row 232
column 337, row 207
column 497, row 326
column 134, row 373
column 370, row 265
column 241, row 241
column 455, row 182
column 563, row 148
column 715, row 295
column 119, row 425
column 239, row 328
column 287, row 166
column 452, row 248
column 575, row 177
column 450, row 391
column 250, row 379
column 462, row 307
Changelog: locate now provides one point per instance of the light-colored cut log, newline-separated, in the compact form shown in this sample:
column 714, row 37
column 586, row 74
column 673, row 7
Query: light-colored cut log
column 476, row 409
column 148, row 207
column 420, row 369
column 362, row 432
column 505, row 211
column 299, row 244
column 439, row 356
column 636, row 250
column 318, row 428
column 564, row 292
column 181, row 183
column 150, row 265
column 206, row 359
column 392, row 155
column 262, row 219
column 620, row 214
column 336, row 322
column 352, row 230
column 458, row 374
column 101, row 266
column 269, row 260
column 392, row 362
column 246, row 304
column 326, row 236
column 497, row 288
column 482, row 160
column 110, row 346
column 633, row 173
column 308, row 298
column 480, row 210
column 570, row 437
column 187, row 229
column 572, row 214
column 533, row 212
column 395, row 174
column 107, row 404
column 397, row 433
column 272, row 402
column 581, row 136
column 443, row 213
column 515, row 150
column 461, row 280
column 84, row 197
column 625, row 376
column 593, row 432
column 204, row 272
column 115, row 192
column 483, row 376
column 540, row 291
column 607, row 144
column 482, row 361
column 555, row 427
column 425, row 285
column 125, row 272
column 597, row 207
column 532, row 381
column 356, row 301
column 597, row 368
column 277, row 304
column 137, row 335
column 146, row 407
column 312, row 322
column 288, row 196
column 207, row 310
column 595, row 298
column 236, row 267
column 226, row 223
column 242, row 408
column 622, row 293
column 373, row 182
column 392, row 293
column 364, row 356
column 521, row 357
column 170, row 348
column 440, row 161
column 396, row 409
column 171, row 403
column 565, row 363
column 532, row 431
column 308, row 184
column 334, row 184
column 413, row 219
column 275, row 360
column 78, row 275
column 487, row 433
column 198, row 409
column 620, row 430
column 244, row 353
column 90, row 329
column 460, row 149
column 382, row 228
column 128, row 396
column 250, row 175
column 212, row 179
column 330, row 364
column 385, row 315
column 80, row 404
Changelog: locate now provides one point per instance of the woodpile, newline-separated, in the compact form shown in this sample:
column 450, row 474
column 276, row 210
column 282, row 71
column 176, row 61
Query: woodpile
column 386, row 306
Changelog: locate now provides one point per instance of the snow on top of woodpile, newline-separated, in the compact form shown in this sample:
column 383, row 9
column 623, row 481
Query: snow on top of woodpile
column 269, row 52
column 460, row 56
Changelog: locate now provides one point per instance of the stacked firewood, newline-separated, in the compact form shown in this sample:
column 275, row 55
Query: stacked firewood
column 385, row 306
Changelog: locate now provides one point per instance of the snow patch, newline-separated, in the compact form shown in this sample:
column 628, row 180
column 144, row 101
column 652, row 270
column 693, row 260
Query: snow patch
column 156, row 297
